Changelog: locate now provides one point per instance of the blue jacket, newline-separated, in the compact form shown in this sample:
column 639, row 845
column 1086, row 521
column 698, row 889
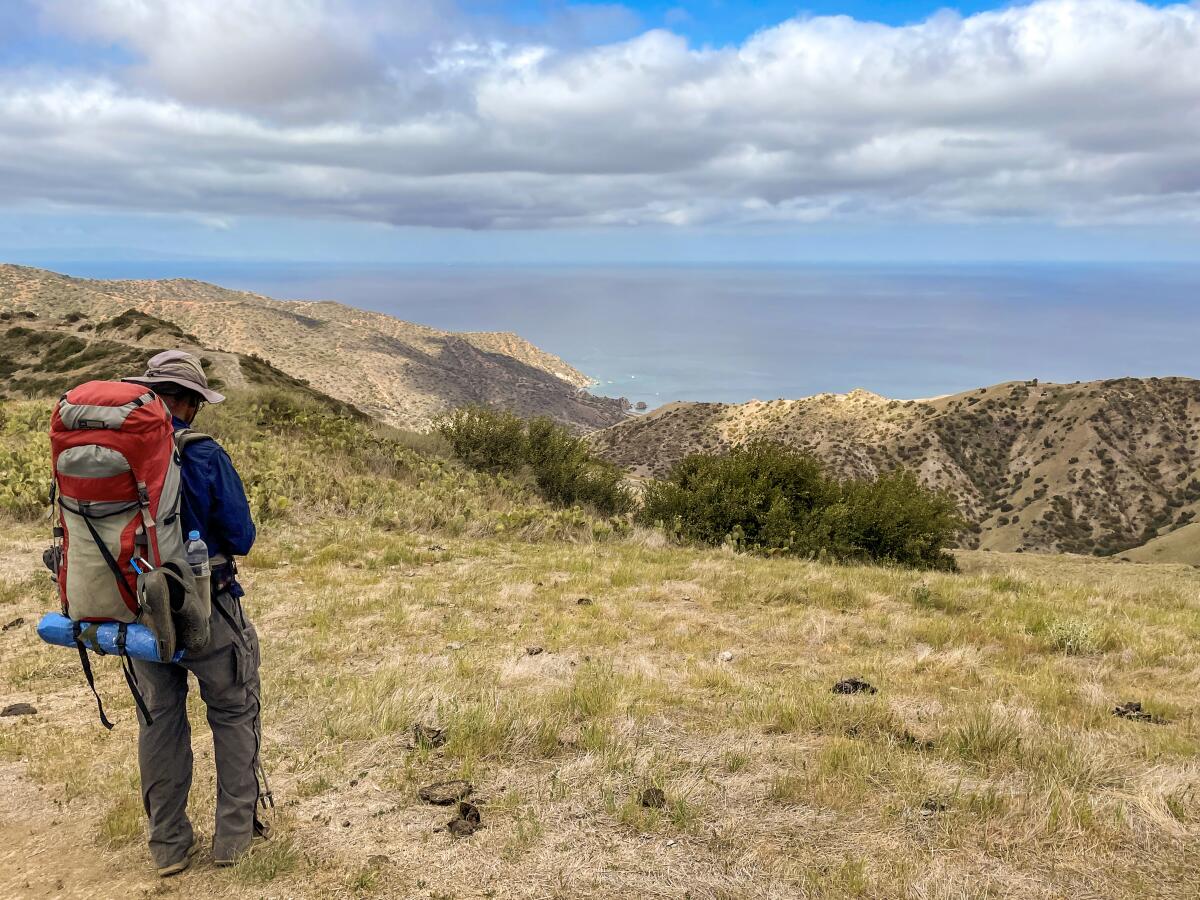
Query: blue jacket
column 214, row 501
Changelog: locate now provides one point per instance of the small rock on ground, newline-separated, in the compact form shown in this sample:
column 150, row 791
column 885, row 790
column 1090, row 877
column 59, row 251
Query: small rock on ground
column 1133, row 710
column 428, row 735
column 445, row 792
column 854, row 686
column 584, row 601
column 19, row 709
column 726, row 656
column 534, row 651
column 466, row 821
column 653, row 798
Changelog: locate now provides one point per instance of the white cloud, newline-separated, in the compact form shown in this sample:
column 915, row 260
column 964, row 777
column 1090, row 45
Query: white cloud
column 1062, row 110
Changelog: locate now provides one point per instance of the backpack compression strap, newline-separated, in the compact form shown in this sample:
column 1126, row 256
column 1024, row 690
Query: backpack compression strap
column 131, row 675
column 87, row 673
column 126, row 668
column 110, row 561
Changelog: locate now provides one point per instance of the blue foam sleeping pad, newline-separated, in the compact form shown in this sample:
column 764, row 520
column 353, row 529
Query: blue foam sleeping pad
column 55, row 628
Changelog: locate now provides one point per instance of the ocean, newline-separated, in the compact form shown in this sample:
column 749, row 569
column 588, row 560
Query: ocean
column 730, row 333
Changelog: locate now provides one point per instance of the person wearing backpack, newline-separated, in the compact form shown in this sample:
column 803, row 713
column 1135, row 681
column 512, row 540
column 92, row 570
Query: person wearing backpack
column 214, row 505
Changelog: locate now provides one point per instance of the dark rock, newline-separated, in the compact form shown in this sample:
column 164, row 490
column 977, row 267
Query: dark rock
column 853, row 686
column 346, row 824
column 653, row 798
column 428, row 736
column 1133, row 710
column 443, row 793
column 15, row 623
column 19, row 709
column 534, row 651
column 640, row 406
column 933, row 805
column 584, row 601
column 466, row 822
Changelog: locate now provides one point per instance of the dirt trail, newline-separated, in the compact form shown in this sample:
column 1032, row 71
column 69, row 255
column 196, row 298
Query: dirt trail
column 41, row 833
column 38, row 837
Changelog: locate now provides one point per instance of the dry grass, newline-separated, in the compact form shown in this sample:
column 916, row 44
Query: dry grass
column 988, row 765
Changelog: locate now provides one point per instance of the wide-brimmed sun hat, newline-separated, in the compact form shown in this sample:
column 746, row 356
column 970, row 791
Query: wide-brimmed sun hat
column 180, row 368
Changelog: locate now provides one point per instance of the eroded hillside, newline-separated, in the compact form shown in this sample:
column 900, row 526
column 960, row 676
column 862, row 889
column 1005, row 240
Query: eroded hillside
column 1087, row 467
column 399, row 372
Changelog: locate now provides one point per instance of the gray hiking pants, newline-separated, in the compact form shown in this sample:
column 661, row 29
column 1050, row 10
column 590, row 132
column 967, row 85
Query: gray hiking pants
column 227, row 671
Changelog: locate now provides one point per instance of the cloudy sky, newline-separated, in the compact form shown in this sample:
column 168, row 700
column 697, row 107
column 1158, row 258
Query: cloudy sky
column 367, row 130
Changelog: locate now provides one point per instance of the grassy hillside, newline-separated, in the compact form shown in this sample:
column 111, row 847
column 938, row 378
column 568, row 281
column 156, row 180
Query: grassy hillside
column 46, row 357
column 1181, row 545
column 399, row 372
column 1097, row 467
column 575, row 669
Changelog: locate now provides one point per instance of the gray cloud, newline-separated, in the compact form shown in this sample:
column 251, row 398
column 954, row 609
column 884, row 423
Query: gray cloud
column 1063, row 110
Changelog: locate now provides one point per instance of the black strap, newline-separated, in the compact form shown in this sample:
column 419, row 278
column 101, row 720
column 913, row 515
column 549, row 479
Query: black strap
column 131, row 680
column 83, row 508
column 87, row 673
column 122, row 584
column 130, row 674
column 233, row 625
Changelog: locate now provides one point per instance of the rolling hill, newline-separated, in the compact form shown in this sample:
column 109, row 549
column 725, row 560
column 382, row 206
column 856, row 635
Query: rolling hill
column 1095, row 467
column 401, row 373
column 40, row 358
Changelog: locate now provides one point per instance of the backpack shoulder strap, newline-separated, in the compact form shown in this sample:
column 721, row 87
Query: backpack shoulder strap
column 185, row 437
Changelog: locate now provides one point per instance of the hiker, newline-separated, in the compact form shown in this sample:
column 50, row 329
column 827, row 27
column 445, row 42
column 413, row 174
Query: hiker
column 214, row 504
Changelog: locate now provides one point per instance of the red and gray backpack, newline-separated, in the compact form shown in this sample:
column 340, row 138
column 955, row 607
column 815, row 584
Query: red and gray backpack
column 116, row 489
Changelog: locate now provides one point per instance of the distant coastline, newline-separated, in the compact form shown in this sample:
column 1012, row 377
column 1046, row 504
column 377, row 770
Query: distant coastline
column 730, row 333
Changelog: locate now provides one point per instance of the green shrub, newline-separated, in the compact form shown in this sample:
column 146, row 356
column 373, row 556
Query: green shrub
column 24, row 460
column 561, row 464
column 484, row 438
column 767, row 497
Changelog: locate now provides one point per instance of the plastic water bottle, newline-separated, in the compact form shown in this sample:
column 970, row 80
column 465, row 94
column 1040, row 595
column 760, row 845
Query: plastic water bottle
column 197, row 556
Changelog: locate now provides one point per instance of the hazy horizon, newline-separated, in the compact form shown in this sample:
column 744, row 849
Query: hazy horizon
column 734, row 333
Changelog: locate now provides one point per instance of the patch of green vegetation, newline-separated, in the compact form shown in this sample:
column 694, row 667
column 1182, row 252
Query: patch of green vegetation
column 260, row 373
column 560, row 464
column 123, row 823
column 144, row 325
column 767, row 497
column 263, row 864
